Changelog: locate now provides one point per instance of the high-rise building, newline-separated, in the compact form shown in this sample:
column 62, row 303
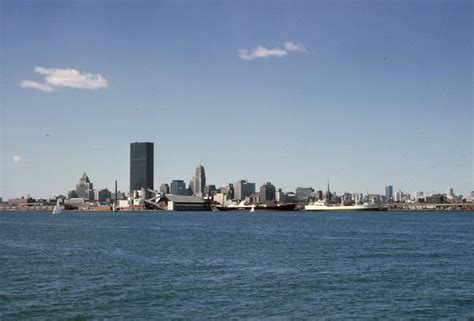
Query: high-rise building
column 199, row 181
column 164, row 188
column 141, row 166
column 398, row 196
column 389, row 193
column 450, row 193
column 227, row 190
column 242, row 189
column 303, row 193
column 85, row 189
column 267, row 193
column 178, row 187
column 318, row 195
column 103, row 195
column 280, row 196
column 209, row 190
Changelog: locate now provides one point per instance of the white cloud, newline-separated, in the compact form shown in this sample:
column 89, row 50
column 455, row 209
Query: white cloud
column 292, row 46
column 261, row 52
column 69, row 77
column 36, row 85
column 18, row 159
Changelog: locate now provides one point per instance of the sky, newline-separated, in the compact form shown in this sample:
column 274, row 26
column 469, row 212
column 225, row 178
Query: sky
column 361, row 93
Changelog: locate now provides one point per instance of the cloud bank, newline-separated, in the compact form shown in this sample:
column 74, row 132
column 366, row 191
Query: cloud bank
column 71, row 78
column 262, row 52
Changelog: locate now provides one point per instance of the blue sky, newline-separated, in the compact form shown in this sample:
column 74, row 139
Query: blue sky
column 376, row 93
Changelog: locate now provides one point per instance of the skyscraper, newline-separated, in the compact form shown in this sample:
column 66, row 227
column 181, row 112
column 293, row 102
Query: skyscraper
column 389, row 192
column 178, row 187
column 199, row 181
column 267, row 193
column 242, row 189
column 450, row 193
column 141, row 166
column 303, row 193
column 85, row 189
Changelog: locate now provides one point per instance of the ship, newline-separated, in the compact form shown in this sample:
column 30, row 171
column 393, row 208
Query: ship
column 242, row 206
column 327, row 205
column 321, row 205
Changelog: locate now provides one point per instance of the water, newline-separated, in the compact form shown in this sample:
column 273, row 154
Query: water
column 206, row 265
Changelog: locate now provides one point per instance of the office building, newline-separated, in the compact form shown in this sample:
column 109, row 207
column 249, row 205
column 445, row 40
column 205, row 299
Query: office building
column 164, row 189
column 210, row 190
column 450, row 193
column 103, row 195
column 178, row 187
column 243, row 189
column 280, row 196
column 141, row 166
column 199, row 181
column 227, row 190
column 303, row 193
column 191, row 187
column 85, row 189
column 398, row 196
column 389, row 193
column 267, row 193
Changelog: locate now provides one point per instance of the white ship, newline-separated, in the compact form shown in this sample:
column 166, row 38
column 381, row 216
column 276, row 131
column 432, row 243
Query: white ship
column 324, row 206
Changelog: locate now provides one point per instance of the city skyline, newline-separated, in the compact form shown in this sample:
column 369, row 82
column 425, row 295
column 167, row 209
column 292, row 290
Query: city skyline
column 342, row 91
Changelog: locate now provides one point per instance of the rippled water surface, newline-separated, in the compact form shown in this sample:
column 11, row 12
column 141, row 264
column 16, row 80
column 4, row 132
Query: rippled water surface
column 205, row 265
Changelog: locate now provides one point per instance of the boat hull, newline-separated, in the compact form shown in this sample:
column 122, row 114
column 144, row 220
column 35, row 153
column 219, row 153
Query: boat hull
column 370, row 207
column 282, row 207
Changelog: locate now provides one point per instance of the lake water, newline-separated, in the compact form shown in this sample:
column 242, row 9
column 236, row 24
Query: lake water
column 206, row 265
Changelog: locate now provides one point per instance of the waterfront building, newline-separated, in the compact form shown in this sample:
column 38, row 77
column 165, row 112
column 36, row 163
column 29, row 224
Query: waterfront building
column 267, row 193
column 389, row 193
column 303, row 193
column 182, row 203
column 141, row 166
column 84, row 189
column 164, row 189
column 199, row 181
column 120, row 196
column 243, row 189
column 253, row 199
column 220, row 198
column 178, row 187
column 103, row 195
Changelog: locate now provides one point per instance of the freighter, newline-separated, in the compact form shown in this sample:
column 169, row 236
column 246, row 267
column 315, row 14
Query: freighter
column 324, row 206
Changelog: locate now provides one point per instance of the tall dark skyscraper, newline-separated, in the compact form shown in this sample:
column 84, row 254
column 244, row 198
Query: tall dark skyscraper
column 389, row 192
column 199, row 181
column 141, row 166
column 267, row 193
